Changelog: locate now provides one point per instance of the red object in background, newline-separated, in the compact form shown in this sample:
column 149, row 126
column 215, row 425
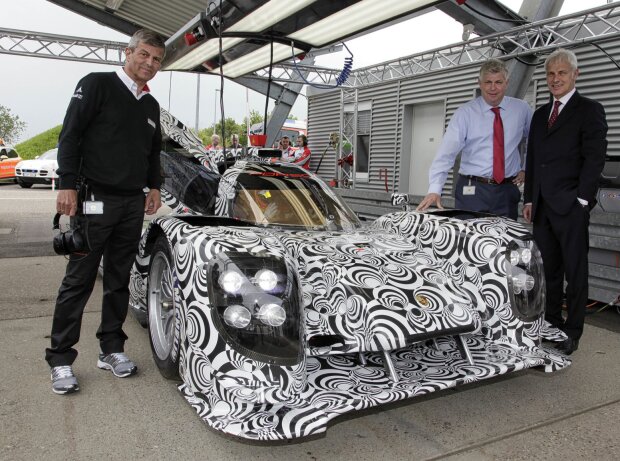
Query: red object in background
column 348, row 160
column 333, row 183
column 258, row 140
column 383, row 174
column 461, row 2
column 190, row 39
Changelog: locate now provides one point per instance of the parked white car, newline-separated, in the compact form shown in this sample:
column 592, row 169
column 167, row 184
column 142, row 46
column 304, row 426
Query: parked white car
column 41, row 170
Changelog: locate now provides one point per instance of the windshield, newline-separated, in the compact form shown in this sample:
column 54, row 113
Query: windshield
column 49, row 155
column 290, row 199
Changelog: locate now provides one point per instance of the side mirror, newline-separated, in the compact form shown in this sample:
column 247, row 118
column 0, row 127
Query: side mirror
column 3, row 157
column 401, row 200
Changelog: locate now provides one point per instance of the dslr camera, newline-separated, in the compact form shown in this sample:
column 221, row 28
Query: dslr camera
column 74, row 240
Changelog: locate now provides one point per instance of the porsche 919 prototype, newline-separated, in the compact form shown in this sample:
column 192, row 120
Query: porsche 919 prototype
column 278, row 310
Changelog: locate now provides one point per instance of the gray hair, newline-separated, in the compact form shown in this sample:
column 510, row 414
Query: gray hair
column 146, row 36
column 562, row 55
column 493, row 66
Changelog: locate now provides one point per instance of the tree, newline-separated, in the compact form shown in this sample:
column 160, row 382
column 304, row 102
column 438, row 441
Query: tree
column 10, row 125
column 255, row 117
column 231, row 127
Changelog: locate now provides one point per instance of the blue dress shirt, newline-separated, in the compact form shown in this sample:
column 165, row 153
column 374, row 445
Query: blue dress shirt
column 470, row 131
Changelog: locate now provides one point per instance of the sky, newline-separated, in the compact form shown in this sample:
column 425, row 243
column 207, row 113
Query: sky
column 38, row 90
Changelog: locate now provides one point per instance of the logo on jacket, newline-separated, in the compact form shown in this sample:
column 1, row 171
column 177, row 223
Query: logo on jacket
column 152, row 123
column 78, row 93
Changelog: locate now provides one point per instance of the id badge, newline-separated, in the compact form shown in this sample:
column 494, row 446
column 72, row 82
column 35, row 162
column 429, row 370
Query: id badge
column 469, row 190
column 92, row 207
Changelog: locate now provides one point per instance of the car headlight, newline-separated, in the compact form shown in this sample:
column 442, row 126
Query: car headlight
column 231, row 281
column 237, row 316
column 272, row 314
column 526, row 279
column 257, row 300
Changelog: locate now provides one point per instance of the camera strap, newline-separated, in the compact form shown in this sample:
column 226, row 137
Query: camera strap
column 56, row 221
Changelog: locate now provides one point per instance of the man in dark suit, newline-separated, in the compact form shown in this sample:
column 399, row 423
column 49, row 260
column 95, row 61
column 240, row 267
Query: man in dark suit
column 565, row 157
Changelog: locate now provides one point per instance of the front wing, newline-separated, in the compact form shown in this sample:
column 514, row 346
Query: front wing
column 340, row 384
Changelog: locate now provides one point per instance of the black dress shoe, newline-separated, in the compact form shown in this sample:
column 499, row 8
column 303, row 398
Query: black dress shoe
column 568, row 346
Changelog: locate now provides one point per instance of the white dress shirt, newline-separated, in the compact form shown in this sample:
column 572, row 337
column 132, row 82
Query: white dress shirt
column 131, row 85
column 563, row 100
column 470, row 132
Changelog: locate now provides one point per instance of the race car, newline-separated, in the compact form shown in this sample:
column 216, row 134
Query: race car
column 278, row 310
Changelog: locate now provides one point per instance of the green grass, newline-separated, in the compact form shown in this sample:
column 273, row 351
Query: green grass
column 39, row 144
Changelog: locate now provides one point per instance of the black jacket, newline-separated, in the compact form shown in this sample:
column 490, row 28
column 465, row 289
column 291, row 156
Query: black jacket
column 565, row 161
column 113, row 137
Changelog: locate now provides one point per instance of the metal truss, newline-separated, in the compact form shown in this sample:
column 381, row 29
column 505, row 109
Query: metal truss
column 596, row 24
column 41, row 45
column 348, row 128
column 593, row 25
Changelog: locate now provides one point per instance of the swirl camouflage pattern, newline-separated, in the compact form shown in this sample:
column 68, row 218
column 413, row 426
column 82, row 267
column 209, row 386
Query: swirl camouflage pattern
column 282, row 311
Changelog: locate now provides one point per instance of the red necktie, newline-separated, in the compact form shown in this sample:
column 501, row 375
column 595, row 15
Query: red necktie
column 554, row 114
column 498, row 147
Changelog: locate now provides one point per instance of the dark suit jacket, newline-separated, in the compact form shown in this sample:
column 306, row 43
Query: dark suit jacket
column 565, row 162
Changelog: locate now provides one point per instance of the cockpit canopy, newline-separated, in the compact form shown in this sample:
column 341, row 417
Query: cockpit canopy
column 288, row 196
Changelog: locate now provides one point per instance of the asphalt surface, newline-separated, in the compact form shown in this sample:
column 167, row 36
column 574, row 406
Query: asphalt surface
column 572, row 414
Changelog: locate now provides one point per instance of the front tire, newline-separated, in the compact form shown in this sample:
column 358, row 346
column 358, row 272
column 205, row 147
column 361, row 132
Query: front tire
column 24, row 184
column 163, row 311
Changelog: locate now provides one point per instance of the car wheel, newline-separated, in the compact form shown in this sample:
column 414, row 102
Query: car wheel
column 22, row 183
column 163, row 311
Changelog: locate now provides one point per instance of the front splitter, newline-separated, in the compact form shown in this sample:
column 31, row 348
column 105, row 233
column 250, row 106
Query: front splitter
column 339, row 384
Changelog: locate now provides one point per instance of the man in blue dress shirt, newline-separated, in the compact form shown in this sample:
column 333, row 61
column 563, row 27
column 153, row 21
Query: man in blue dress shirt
column 487, row 131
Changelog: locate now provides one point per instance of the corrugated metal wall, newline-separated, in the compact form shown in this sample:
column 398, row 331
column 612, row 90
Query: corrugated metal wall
column 323, row 119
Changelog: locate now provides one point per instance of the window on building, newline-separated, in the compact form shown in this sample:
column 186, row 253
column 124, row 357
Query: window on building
column 362, row 154
column 356, row 138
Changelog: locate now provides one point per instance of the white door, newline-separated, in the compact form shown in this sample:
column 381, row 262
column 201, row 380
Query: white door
column 427, row 132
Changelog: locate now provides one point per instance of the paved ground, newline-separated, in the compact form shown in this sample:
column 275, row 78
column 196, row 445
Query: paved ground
column 573, row 414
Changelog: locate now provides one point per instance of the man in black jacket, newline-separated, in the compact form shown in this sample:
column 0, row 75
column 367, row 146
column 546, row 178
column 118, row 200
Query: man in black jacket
column 565, row 157
column 111, row 139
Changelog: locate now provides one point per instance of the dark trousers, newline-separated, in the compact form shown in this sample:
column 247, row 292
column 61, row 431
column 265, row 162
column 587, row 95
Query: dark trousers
column 563, row 242
column 115, row 235
column 499, row 199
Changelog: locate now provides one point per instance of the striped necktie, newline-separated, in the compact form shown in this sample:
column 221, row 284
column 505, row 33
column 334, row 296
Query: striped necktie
column 554, row 114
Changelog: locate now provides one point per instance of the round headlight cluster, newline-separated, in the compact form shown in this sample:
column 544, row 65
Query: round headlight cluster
column 522, row 282
column 526, row 281
column 232, row 280
column 238, row 316
column 520, row 256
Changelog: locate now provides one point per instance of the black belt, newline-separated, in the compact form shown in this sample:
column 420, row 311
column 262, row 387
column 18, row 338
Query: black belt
column 488, row 180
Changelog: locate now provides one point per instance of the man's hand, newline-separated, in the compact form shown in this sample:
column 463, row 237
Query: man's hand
column 519, row 179
column 66, row 202
column 430, row 200
column 152, row 202
column 527, row 212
